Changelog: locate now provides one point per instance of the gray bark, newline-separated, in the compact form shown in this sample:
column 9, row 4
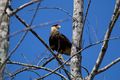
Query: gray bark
column 77, row 40
column 4, row 20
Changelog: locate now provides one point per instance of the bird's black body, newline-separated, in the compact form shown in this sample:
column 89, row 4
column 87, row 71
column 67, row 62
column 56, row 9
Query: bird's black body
column 60, row 43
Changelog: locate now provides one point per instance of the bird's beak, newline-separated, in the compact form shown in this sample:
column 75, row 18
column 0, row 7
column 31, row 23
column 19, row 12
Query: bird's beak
column 59, row 26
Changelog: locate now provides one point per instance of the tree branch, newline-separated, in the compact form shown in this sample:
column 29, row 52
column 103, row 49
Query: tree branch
column 105, row 43
column 56, row 8
column 24, row 6
column 78, row 53
column 29, row 66
column 16, row 47
column 24, row 35
column 37, row 36
column 33, row 27
column 109, row 65
column 61, row 9
column 86, row 14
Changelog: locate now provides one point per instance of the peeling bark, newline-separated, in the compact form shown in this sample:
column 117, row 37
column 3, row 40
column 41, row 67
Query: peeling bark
column 77, row 40
column 4, row 20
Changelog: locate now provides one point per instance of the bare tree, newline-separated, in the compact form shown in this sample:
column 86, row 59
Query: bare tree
column 75, row 72
column 105, row 43
column 77, row 40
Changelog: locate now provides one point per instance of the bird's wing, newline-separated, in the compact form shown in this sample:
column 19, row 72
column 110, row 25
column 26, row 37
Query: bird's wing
column 65, row 39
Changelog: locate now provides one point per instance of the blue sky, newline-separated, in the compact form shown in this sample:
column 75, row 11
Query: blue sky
column 96, row 25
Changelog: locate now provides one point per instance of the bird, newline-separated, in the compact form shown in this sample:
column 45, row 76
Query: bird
column 59, row 42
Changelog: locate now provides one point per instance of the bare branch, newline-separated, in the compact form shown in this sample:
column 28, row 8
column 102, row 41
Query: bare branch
column 27, row 26
column 37, row 36
column 23, row 69
column 60, row 9
column 88, row 7
column 57, row 8
column 105, row 43
column 22, row 38
column 10, row 54
column 36, row 10
column 109, row 65
column 78, row 53
column 33, row 27
column 34, row 67
column 24, row 6
column 49, row 60
column 16, row 47
column 85, row 70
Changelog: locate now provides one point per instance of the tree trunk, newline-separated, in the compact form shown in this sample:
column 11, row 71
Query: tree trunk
column 4, row 20
column 77, row 40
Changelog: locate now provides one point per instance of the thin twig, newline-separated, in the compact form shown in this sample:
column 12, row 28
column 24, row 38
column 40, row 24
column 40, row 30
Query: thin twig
column 86, row 14
column 49, row 60
column 60, row 9
column 85, row 70
column 16, row 47
column 36, row 10
column 57, row 8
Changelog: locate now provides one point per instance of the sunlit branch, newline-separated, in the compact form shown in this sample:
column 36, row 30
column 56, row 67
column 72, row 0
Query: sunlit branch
column 24, row 6
column 109, row 65
column 33, row 67
column 30, row 69
column 22, row 70
column 105, row 43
